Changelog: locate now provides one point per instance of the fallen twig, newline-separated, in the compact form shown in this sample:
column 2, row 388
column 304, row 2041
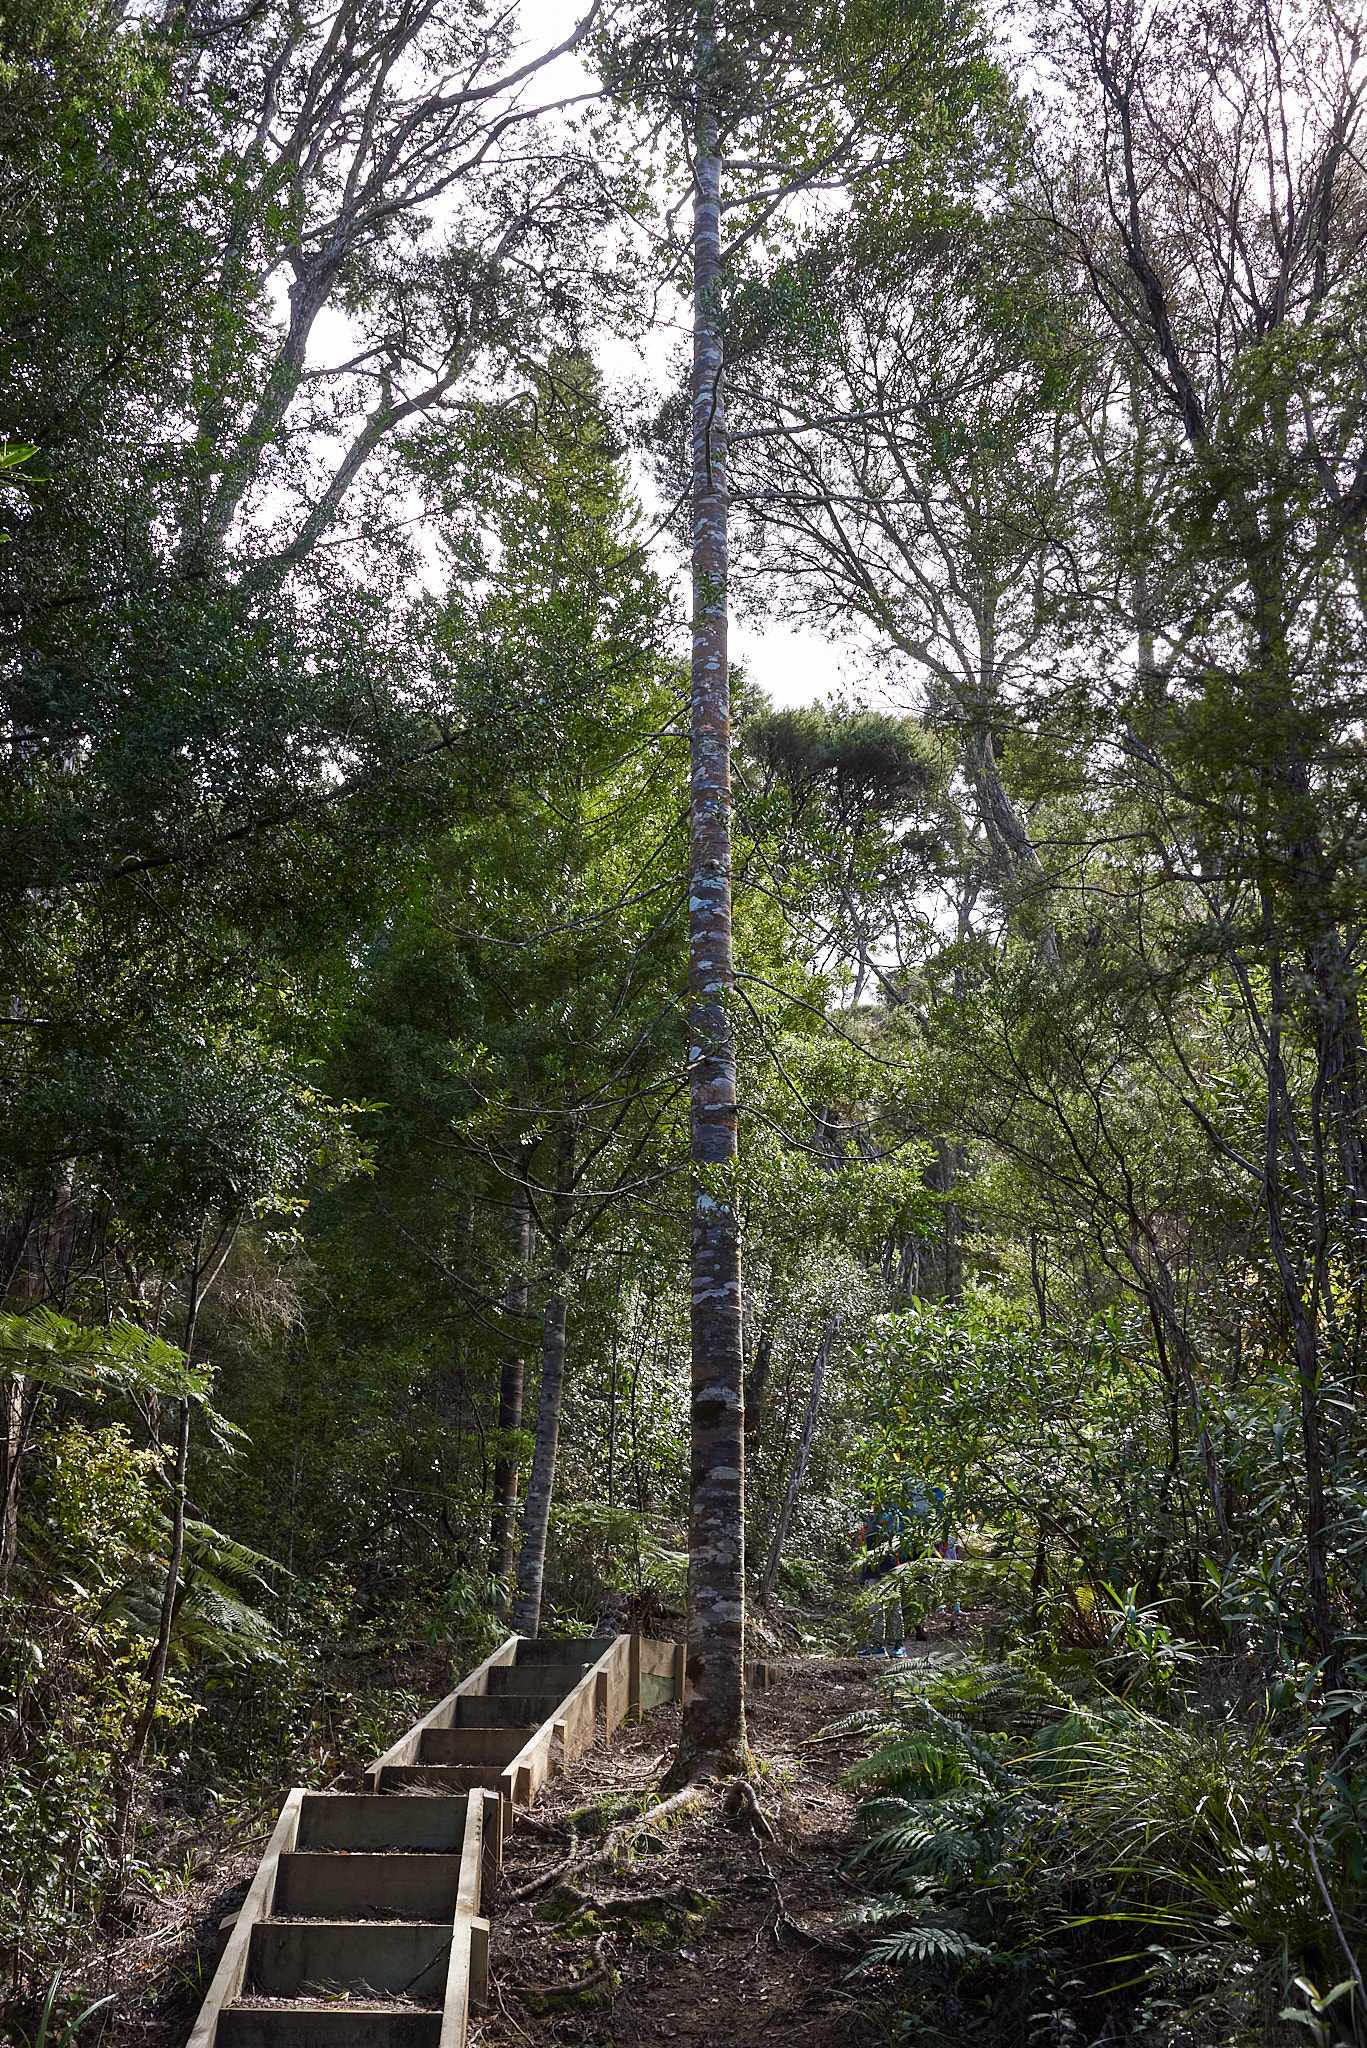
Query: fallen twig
column 783, row 1918
column 610, row 1843
column 498, row 1994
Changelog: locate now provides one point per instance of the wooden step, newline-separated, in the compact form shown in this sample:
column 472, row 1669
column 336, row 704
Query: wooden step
column 386, row 1959
column 469, row 1745
column 584, row 1650
column 455, row 1779
column 516, row 1710
column 327, row 1886
column 369, row 1820
column 516, row 1679
column 327, row 2026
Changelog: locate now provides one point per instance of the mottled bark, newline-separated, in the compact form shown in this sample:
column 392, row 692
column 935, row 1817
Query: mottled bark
column 799, row 1471
column 1303, row 1315
column 712, row 1736
column 13, row 1434
column 510, row 1381
column 536, row 1514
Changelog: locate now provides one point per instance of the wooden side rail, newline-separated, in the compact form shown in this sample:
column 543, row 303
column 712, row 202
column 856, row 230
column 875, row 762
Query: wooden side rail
column 657, row 1672
column 467, row 1978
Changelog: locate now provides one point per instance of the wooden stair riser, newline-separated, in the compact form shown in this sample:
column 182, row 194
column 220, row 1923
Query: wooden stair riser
column 394, row 1959
column 511, row 1681
column 454, row 1779
column 324, row 1885
column 469, row 1745
column 526, row 1710
column 328, row 2027
column 581, row 1650
column 368, row 1820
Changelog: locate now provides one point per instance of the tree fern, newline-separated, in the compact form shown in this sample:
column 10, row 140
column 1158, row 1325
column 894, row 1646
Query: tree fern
column 77, row 1358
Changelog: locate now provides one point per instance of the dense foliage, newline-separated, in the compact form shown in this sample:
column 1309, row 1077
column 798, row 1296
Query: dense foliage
column 345, row 1146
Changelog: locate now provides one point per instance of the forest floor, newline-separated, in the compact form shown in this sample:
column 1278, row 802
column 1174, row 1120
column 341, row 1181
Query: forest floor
column 709, row 1935
column 705, row 1934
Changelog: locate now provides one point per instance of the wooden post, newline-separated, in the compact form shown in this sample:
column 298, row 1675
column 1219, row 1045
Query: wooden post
column 634, row 1677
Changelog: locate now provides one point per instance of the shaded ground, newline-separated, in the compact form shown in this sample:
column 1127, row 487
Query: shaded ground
column 708, row 1935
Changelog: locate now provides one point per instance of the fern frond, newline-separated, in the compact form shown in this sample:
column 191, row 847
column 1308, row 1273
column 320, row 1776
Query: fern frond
column 919, row 1945
column 874, row 1720
column 915, row 1761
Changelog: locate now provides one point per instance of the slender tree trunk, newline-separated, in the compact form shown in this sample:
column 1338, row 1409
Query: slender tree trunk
column 156, row 1667
column 1303, row 1319
column 756, row 1386
column 11, row 1451
column 952, row 1240
column 713, row 1732
column 203, row 1274
column 20, row 1400
column 799, row 1471
column 510, row 1380
column 536, row 1515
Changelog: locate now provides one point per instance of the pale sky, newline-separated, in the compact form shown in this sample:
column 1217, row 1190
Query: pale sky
column 792, row 666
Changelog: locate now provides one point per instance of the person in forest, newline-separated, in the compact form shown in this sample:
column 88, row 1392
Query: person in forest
column 887, row 1538
column 947, row 1548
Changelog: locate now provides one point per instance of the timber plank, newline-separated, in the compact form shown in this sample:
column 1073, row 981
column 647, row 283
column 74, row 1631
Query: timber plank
column 389, row 1958
column 328, row 1886
column 328, row 2026
column 370, row 1820
column 230, row 1975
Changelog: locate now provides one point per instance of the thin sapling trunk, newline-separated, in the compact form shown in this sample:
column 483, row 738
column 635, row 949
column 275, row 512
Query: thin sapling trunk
column 799, row 1471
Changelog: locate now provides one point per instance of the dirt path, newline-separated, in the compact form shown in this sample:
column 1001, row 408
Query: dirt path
column 708, row 1935
column 705, row 1934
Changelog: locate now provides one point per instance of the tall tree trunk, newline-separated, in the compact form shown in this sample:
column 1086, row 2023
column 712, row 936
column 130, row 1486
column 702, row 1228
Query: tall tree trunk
column 536, row 1515
column 1303, row 1316
column 170, row 1599
column 799, row 1471
column 203, row 1273
column 713, row 1732
column 11, row 1446
column 952, row 1239
column 511, row 1378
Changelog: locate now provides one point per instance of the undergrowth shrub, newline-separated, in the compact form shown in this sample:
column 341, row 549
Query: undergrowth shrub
column 1056, row 1863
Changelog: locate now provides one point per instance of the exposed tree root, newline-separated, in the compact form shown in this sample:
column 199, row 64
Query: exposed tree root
column 742, row 1798
column 608, row 1847
column 547, row 1877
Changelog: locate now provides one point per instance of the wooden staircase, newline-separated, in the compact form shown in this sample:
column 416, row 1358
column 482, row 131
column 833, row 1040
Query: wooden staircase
column 363, row 1928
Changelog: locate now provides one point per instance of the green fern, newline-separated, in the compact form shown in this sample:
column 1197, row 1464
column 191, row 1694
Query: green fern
column 77, row 1358
column 914, row 1761
column 921, row 1944
column 867, row 1721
